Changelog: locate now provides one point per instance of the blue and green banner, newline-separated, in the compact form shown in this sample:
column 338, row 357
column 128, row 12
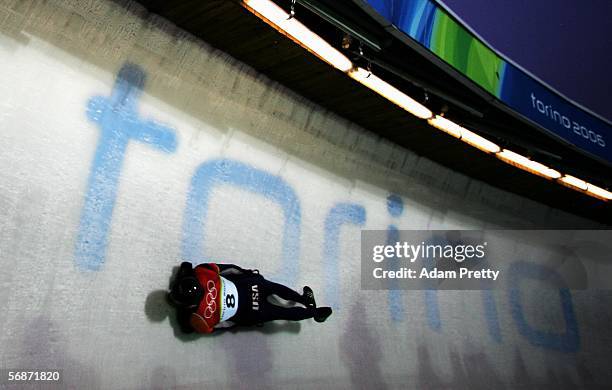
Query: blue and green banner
column 432, row 27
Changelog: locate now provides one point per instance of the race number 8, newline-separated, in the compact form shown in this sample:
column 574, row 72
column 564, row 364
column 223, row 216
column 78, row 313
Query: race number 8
column 230, row 301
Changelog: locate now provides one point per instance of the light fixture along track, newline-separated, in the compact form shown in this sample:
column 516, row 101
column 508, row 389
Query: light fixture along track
column 288, row 25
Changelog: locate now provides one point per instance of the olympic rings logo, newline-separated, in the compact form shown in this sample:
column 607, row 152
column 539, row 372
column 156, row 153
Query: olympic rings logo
column 211, row 299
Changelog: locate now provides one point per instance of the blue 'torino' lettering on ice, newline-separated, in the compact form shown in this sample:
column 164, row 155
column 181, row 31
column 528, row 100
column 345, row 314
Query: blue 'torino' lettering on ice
column 341, row 214
column 119, row 123
column 395, row 207
column 567, row 341
column 432, row 306
column 224, row 171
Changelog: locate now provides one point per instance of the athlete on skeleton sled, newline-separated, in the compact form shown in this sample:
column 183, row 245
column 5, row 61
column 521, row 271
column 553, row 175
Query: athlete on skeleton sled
column 213, row 296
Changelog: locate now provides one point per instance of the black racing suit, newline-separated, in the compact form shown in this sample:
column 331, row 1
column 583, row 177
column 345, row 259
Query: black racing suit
column 254, row 291
column 254, row 306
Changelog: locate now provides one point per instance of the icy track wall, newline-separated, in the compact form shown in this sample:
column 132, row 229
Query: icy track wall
column 126, row 146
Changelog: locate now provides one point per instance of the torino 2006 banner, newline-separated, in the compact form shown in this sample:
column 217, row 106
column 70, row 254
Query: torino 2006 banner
column 435, row 29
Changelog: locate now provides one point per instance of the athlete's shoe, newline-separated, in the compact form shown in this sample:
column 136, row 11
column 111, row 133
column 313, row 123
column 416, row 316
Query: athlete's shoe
column 309, row 297
column 321, row 313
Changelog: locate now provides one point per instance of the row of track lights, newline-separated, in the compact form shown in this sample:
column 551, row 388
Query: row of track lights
column 276, row 17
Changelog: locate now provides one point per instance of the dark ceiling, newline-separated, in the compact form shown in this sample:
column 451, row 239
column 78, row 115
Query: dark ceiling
column 229, row 27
